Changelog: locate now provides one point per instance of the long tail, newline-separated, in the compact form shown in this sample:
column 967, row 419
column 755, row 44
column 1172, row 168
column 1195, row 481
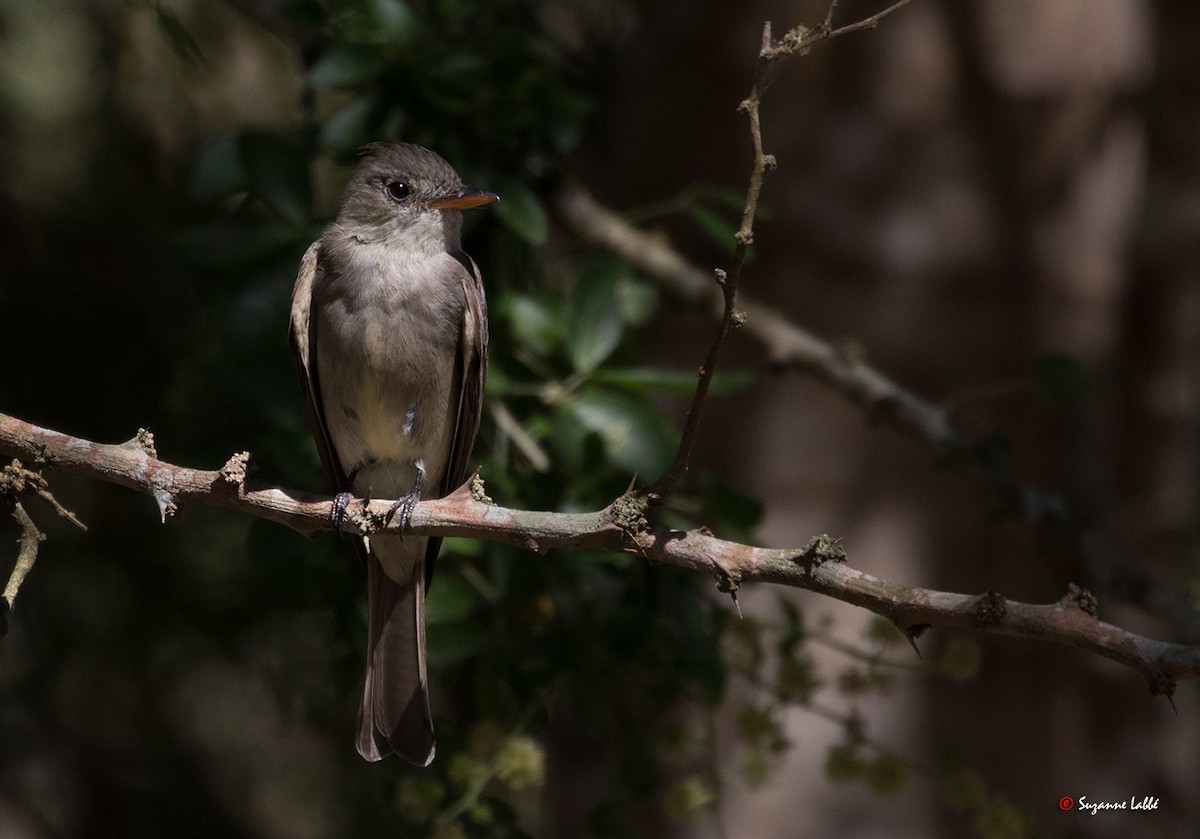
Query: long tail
column 395, row 715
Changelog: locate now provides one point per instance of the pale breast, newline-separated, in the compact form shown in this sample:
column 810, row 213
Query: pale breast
column 387, row 333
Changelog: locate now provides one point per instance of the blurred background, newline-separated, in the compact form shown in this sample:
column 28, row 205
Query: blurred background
column 996, row 203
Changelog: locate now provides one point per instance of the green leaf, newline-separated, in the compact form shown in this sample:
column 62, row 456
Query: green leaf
column 278, row 174
column 1062, row 377
column 593, row 319
column 532, row 323
column 637, row 299
column 346, row 64
column 635, row 436
column 522, row 211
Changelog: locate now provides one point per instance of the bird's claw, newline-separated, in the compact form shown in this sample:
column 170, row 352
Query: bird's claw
column 338, row 514
column 404, row 505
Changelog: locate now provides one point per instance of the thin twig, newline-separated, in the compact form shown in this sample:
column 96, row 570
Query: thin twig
column 794, row 42
column 43, row 492
column 15, row 479
column 29, row 540
column 828, row 22
column 511, row 427
column 867, row 22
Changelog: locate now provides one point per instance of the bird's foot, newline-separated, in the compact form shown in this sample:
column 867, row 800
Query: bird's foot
column 405, row 507
column 405, row 504
column 340, row 502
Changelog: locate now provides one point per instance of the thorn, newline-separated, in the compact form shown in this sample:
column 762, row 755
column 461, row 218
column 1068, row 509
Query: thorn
column 912, row 633
column 167, row 508
column 728, row 582
column 1162, row 684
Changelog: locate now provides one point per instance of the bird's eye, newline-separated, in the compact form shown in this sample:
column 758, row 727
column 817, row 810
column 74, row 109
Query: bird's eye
column 398, row 190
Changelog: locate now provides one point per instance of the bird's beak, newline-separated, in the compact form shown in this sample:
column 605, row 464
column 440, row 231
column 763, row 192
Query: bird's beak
column 463, row 199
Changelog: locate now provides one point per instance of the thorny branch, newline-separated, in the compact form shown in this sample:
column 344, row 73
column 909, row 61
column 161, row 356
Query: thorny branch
column 885, row 401
column 15, row 480
column 795, row 41
column 820, row 566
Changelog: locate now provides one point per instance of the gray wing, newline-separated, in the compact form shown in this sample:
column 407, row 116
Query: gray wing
column 303, row 340
column 472, row 369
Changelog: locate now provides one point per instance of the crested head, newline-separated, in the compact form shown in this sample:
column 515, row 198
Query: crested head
column 401, row 189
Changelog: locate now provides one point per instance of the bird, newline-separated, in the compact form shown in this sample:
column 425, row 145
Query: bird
column 389, row 329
